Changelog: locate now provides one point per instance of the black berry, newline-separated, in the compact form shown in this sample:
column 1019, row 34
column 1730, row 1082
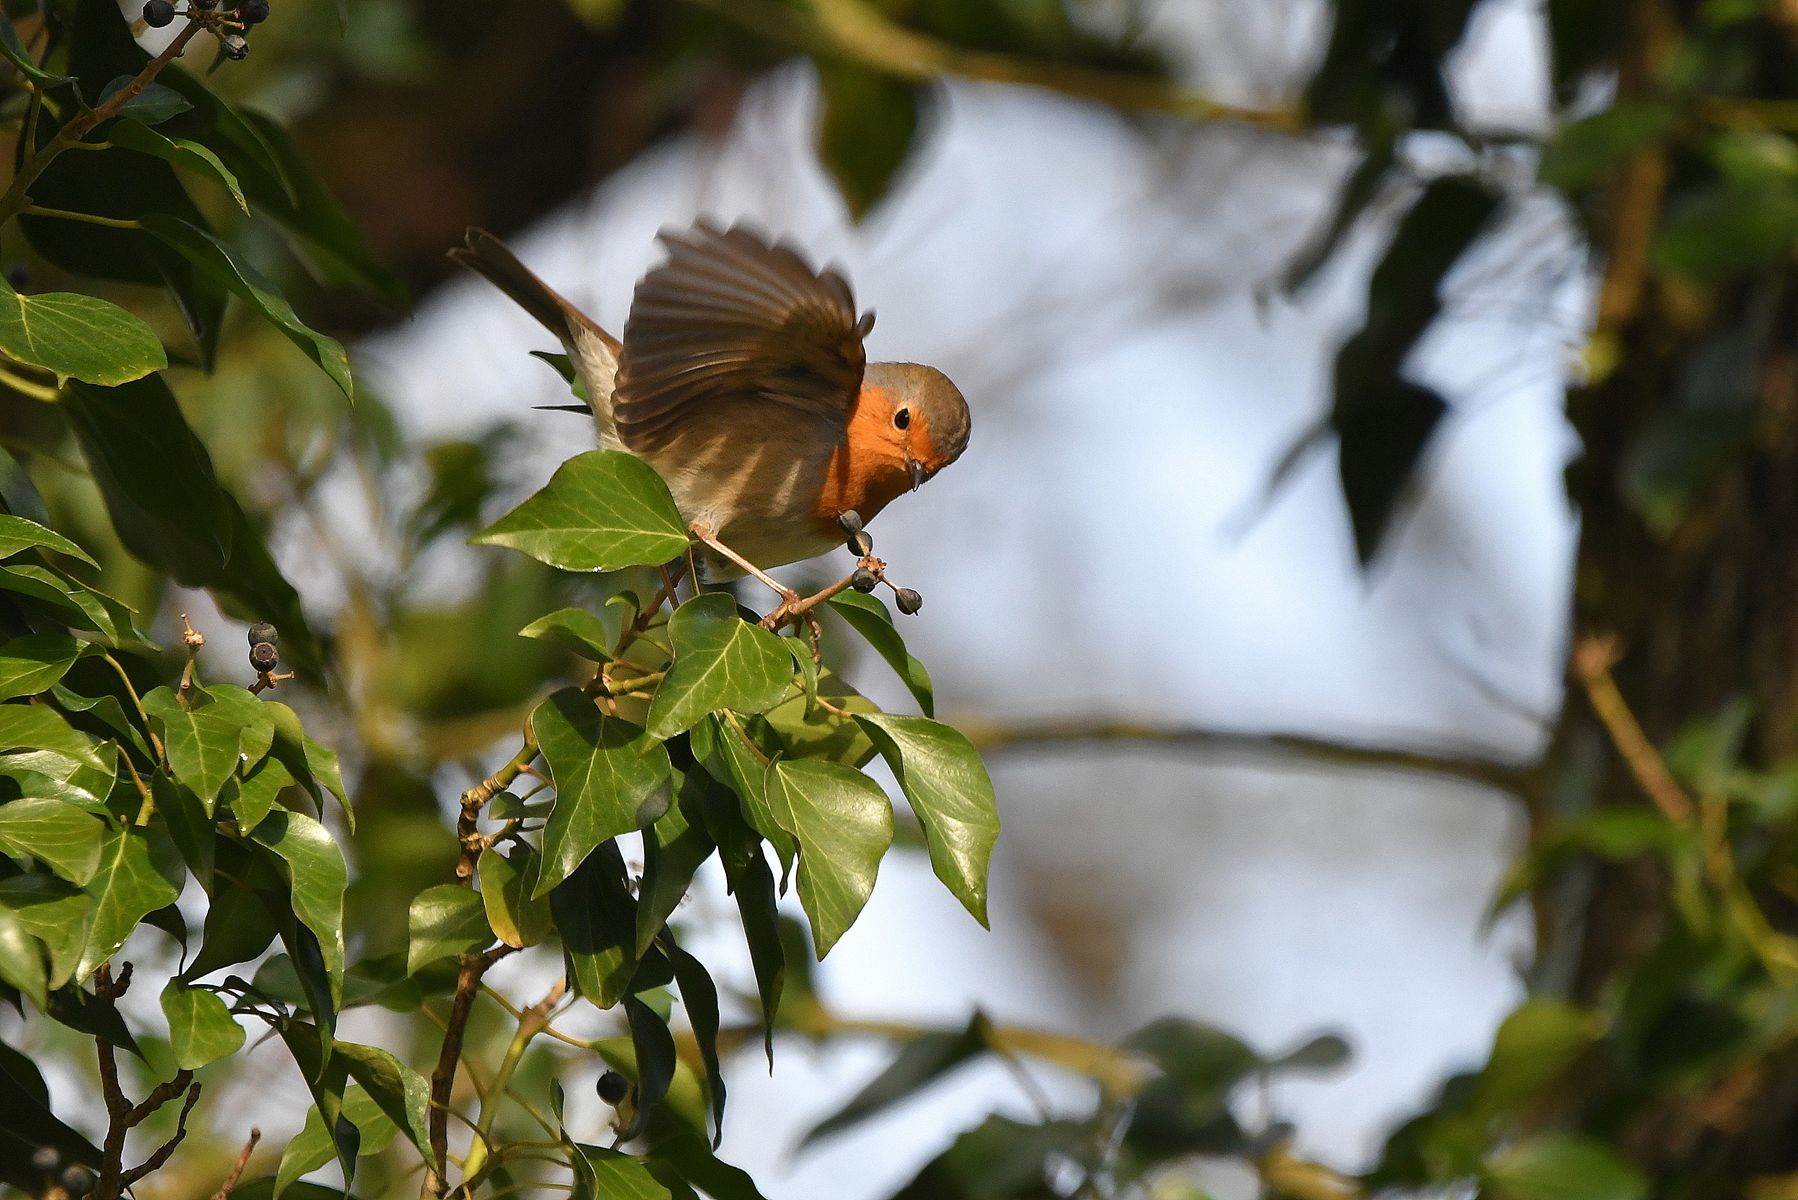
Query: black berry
column 252, row 12
column 262, row 632
column 235, row 47
column 77, row 1180
column 613, row 1088
column 45, row 1160
column 264, row 657
column 861, row 545
column 909, row 601
column 850, row 522
column 863, row 580
column 158, row 13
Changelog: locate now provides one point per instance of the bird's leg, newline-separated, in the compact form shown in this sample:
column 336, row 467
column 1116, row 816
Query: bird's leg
column 790, row 608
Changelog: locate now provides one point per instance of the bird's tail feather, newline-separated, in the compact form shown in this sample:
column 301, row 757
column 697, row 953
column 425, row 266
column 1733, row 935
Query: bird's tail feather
column 490, row 258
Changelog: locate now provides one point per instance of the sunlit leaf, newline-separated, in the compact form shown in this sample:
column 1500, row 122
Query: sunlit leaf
column 62, row 837
column 600, row 511
column 444, row 921
column 610, row 778
column 201, row 1027
column 720, row 661
column 843, row 823
column 77, row 337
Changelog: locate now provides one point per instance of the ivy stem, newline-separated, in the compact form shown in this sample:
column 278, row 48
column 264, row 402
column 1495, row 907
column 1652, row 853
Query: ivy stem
column 531, row 1022
column 472, row 966
column 15, row 197
column 138, row 703
column 64, row 214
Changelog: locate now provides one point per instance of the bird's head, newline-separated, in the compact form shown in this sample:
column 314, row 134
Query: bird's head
column 922, row 418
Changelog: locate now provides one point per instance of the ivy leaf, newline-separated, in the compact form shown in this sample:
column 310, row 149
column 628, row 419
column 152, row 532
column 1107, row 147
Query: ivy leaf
column 600, row 511
column 843, row 823
column 948, row 789
column 57, row 834
column 217, row 261
column 720, row 661
column 1563, row 1167
column 508, row 883
column 673, row 850
column 869, row 618
column 13, row 47
column 153, row 105
column 577, row 631
column 922, row 1061
column 201, row 1027
column 137, row 135
column 313, row 1147
column 597, row 920
column 611, row 1175
column 17, row 533
column 752, row 883
column 190, row 826
column 326, row 1077
column 253, row 795
column 400, row 1092
column 139, row 873
column 316, row 878
column 22, row 961
column 653, row 1048
column 203, row 743
column 442, row 922
column 1533, row 1046
column 53, row 912
column 700, row 995
column 689, row 1157
column 77, row 337
column 33, row 664
column 610, row 778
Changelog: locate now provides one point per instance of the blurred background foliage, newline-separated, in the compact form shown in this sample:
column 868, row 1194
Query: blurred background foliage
column 1658, row 1056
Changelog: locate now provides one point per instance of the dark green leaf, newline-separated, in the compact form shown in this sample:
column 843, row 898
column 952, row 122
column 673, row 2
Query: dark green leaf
column 1563, row 1167
column 17, row 533
column 313, row 1147
column 653, row 1047
column 672, row 853
column 869, row 617
column 700, row 995
column 694, row 1162
column 326, row 1078
column 14, row 49
column 316, row 876
column 610, row 778
column 752, row 883
column 152, row 105
column 191, row 827
column 870, row 122
column 218, row 262
column 138, row 136
column 597, row 920
column 445, row 921
column 921, row 1062
column 400, row 1092
column 843, row 823
column 600, row 511
column 720, row 661
column 577, row 631
column 609, row 1175
column 33, row 664
column 948, row 789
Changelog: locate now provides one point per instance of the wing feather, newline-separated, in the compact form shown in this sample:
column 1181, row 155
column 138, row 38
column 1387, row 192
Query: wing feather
column 732, row 316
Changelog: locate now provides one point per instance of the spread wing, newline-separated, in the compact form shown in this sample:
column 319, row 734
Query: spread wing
column 730, row 317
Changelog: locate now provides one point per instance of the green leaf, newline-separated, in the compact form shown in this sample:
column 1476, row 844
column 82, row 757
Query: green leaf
column 948, row 789
column 14, row 49
column 316, row 876
column 137, row 135
column 720, row 661
column 1532, row 1048
column 600, row 511
column 691, row 1159
column 843, row 823
column 77, row 337
column 201, row 1027
column 597, row 920
column 609, row 1175
column 869, row 617
column 203, row 744
column 16, row 534
column 577, row 631
column 33, row 664
column 219, row 262
column 326, row 1078
column 508, row 883
column 73, row 602
column 53, row 912
column 921, row 1061
column 868, row 128
column 190, row 826
column 23, row 964
column 169, row 510
column 673, row 850
column 1563, row 1167
column 139, row 873
column 152, row 105
column 610, row 778
column 313, row 1147
column 37, row 727
column 401, row 1093
column 442, row 922
column 803, row 728
column 60, row 836
column 752, row 883
column 253, row 796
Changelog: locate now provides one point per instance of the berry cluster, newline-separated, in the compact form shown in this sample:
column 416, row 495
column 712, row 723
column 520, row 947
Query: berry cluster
column 229, row 24
column 870, row 572
column 73, row 1179
column 265, row 648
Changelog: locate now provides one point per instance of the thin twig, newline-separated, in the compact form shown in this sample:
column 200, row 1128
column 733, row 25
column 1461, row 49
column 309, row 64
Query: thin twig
column 243, row 1157
column 473, row 965
column 1593, row 658
column 161, row 1156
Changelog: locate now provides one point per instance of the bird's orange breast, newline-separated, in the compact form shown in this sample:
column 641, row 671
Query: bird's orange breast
column 866, row 470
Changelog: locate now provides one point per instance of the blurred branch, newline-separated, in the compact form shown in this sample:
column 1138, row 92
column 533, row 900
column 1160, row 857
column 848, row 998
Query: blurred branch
column 1593, row 658
column 852, row 29
column 998, row 737
column 1635, row 201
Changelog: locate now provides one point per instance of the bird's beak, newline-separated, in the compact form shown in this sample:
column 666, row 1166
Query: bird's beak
column 919, row 473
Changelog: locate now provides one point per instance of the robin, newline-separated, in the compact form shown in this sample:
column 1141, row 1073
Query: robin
column 742, row 380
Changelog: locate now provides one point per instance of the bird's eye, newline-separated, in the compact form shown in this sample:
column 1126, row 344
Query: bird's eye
column 902, row 418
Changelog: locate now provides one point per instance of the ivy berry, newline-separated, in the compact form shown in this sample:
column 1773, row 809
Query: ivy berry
column 908, row 600
column 158, row 13
column 235, row 47
column 613, row 1088
column 863, row 580
column 252, row 12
